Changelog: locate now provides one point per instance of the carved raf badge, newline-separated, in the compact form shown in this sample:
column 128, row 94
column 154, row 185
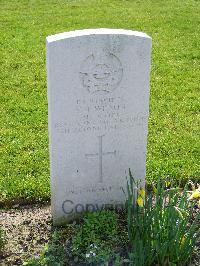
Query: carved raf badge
column 101, row 72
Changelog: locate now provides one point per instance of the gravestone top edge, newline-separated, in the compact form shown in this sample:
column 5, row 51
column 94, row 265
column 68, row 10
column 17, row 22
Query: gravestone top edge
column 100, row 31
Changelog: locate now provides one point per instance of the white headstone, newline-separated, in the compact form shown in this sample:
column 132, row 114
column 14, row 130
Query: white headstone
column 98, row 96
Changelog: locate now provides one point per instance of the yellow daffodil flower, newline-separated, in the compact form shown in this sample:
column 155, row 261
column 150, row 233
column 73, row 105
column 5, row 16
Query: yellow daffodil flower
column 195, row 194
column 141, row 192
column 140, row 202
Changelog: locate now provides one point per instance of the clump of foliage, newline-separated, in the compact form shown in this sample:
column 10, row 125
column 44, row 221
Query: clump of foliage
column 2, row 239
column 95, row 239
column 53, row 253
column 161, row 226
column 161, row 229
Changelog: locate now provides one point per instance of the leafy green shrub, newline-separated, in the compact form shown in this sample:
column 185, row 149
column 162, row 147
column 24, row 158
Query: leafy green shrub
column 161, row 227
column 95, row 238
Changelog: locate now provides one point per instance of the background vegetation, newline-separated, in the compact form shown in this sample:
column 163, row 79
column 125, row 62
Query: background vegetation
column 173, row 142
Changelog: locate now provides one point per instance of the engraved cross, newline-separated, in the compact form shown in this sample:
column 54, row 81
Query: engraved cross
column 100, row 157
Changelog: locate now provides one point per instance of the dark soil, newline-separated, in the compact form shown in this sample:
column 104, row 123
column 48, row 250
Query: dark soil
column 27, row 230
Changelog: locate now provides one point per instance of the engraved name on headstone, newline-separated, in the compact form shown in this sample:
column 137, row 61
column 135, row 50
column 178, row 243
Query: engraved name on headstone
column 98, row 105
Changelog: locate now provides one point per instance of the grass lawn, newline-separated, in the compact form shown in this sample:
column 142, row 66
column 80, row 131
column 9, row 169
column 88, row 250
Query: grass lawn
column 173, row 142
